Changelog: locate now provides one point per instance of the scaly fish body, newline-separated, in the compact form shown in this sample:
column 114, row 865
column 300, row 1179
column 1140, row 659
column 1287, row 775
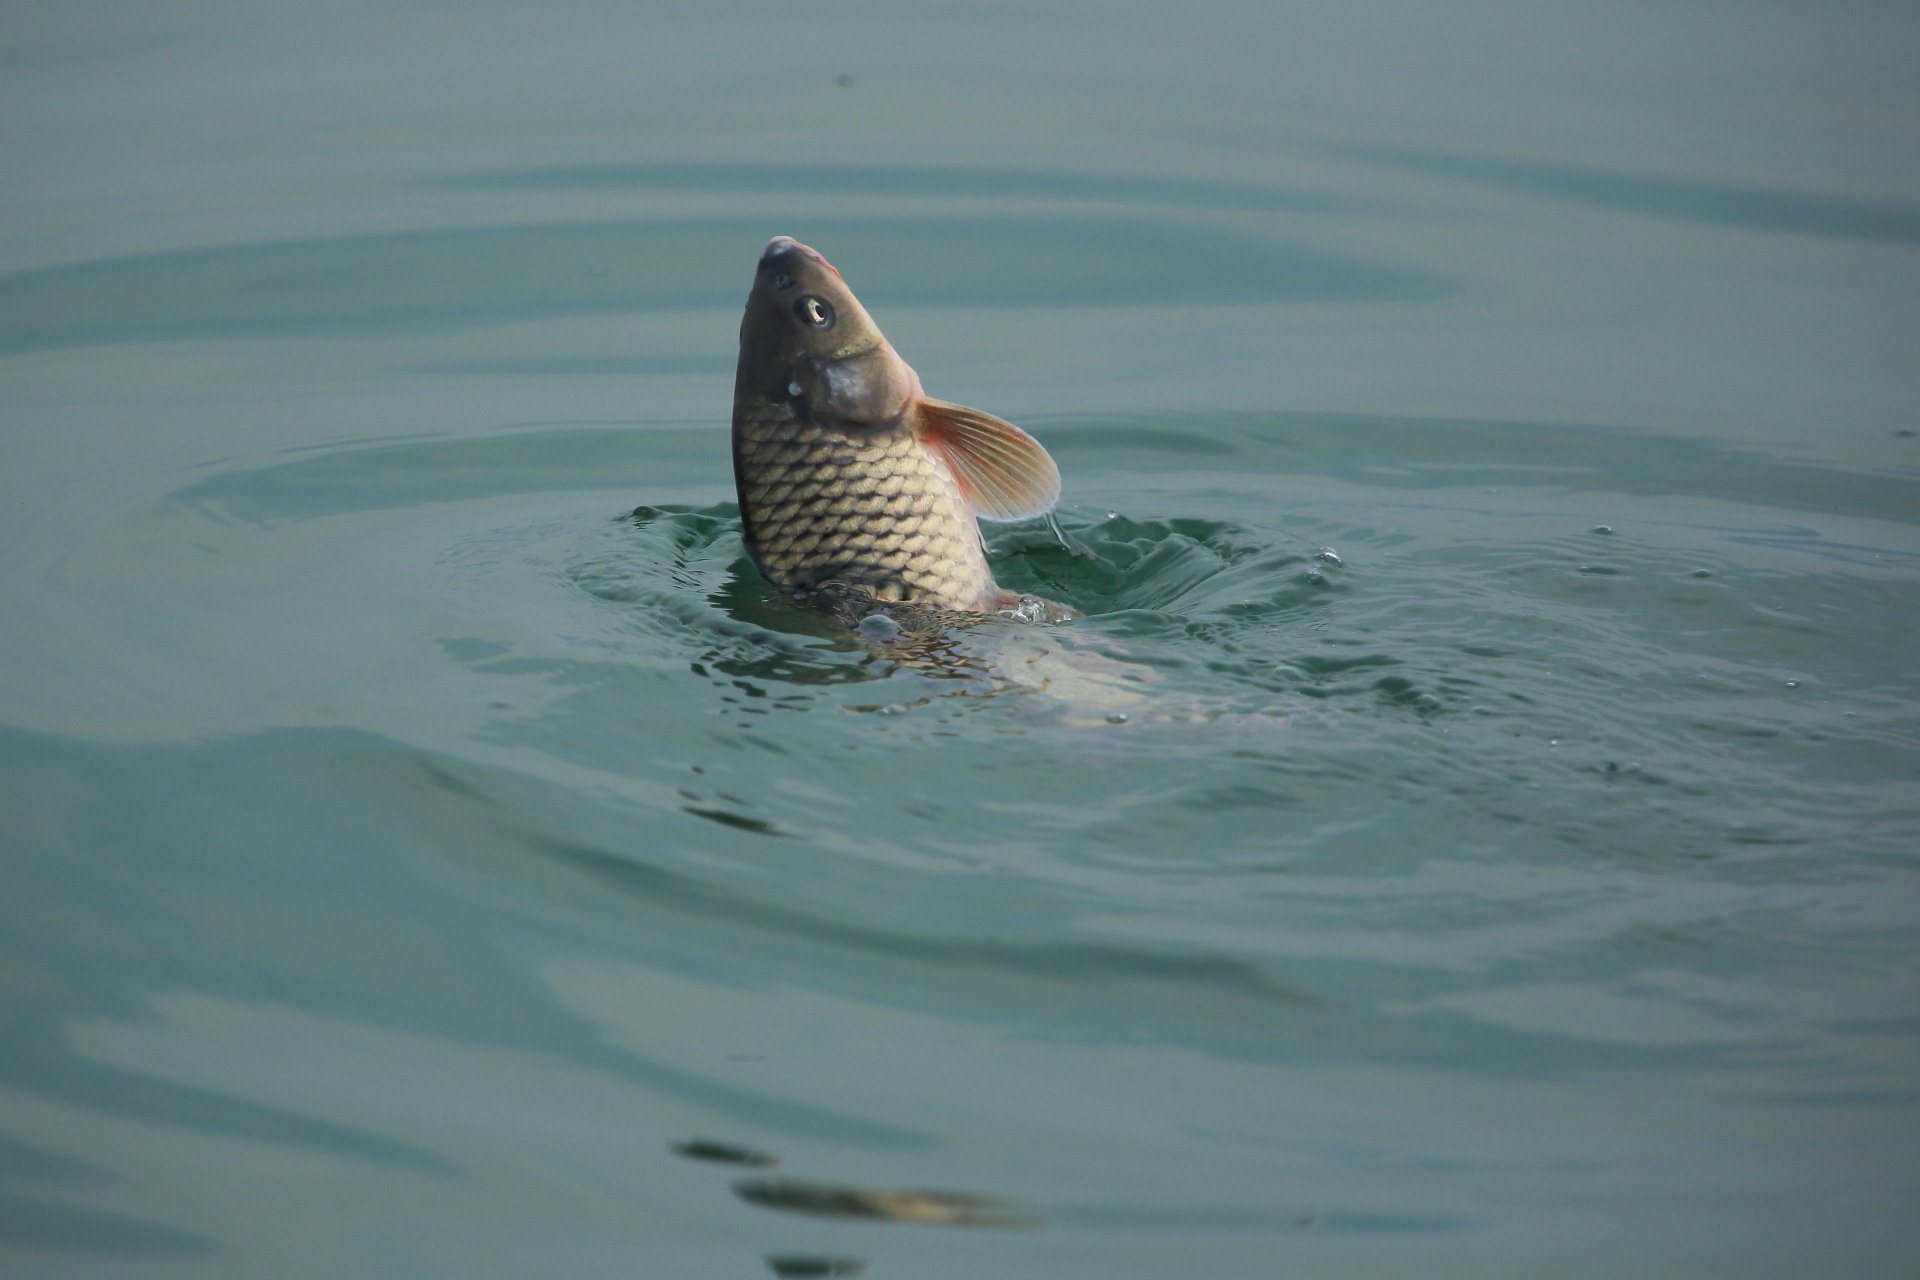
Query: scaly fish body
column 876, row 513
column 849, row 476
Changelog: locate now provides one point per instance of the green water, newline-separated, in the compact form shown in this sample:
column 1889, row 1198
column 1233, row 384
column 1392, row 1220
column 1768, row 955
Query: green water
column 1472, row 832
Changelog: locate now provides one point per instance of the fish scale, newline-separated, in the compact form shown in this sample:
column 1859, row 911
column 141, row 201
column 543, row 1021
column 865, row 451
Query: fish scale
column 802, row 485
column 850, row 477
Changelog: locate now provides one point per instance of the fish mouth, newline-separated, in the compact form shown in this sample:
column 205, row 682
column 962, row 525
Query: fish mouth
column 781, row 246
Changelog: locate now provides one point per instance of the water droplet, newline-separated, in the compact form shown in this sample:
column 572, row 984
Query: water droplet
column 793, row 388
column 1603, row 528
column 1327, row 555
column 878, row 626
column 1702, row 573
column 1116, row 718
column 1793, row 684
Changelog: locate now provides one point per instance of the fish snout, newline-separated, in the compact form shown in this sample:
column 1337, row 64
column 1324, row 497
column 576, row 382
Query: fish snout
column 780, row 246
column 784, row 248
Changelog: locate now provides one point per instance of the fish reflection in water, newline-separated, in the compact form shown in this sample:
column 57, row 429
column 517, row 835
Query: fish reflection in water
column 805, row 1264
column 724, row 1153
column 840, row 1200
column 921, row 1207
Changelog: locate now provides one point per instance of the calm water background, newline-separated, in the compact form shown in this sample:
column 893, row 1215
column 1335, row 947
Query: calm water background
column 1473, row 833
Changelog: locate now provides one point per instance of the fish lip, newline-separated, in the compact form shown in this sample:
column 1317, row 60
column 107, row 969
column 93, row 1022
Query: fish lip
column 780, row 246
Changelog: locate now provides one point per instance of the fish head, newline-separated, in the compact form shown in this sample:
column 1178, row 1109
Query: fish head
column 806, row 343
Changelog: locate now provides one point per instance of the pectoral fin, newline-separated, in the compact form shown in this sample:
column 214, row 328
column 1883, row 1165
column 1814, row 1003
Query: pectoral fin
column 1003, row 472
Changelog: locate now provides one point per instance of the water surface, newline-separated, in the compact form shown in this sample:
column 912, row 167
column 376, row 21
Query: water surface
column 1471, row 832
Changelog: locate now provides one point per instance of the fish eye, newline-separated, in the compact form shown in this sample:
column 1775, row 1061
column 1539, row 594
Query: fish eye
column 782, row 280
column 813, row 312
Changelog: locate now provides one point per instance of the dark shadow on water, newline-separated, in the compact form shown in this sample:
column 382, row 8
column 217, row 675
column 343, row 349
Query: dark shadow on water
column 917, row 1207
column 739, row 822
column 1415, row 453
column 40, row 1062
column 1383, row 452
column 47, row 1224
column 453, row 278
column 924, row 181
column 725, row 1153
column 795, row 1266
column 385, row 476
column 1086, row 967
column 22, row 1162
column 1259, row 1219
column 158, row 845
column 629, row 366
column 1726, row 204
column 886, row 1204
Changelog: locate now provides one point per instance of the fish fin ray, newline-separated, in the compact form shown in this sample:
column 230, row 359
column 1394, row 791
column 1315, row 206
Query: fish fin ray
column 1002, row 471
